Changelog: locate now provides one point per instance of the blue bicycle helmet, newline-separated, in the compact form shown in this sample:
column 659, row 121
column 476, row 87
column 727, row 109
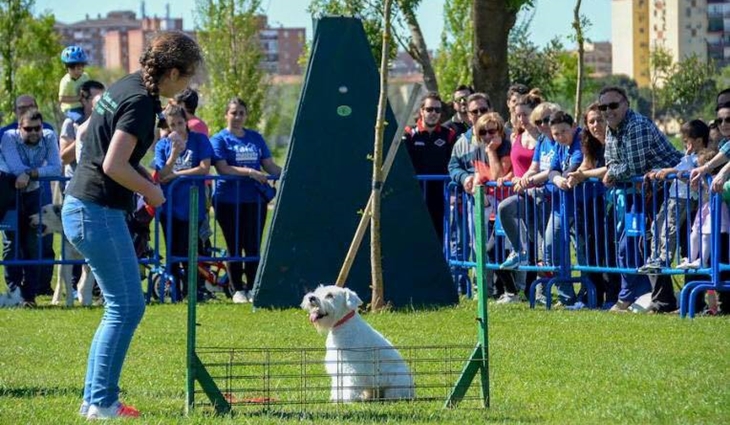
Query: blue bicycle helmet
column 73, row 55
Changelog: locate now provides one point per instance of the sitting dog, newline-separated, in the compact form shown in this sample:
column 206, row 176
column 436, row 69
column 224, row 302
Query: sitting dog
column 363, row 365
column 50, row 219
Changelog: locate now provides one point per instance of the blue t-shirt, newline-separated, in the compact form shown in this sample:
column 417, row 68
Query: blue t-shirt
column 198, row 149
column 566, row 159
column 247, row 151
column 544, row 152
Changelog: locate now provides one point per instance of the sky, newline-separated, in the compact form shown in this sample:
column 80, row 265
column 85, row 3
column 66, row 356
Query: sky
column 552, row 17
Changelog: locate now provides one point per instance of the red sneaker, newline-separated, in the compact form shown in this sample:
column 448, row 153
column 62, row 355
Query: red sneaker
column 116, row 410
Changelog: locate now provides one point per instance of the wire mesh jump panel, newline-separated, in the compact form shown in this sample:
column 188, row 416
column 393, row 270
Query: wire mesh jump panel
column 295, row 380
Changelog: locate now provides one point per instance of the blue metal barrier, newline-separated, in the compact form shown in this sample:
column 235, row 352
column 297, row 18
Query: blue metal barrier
column 641, row 215
column 170, row 279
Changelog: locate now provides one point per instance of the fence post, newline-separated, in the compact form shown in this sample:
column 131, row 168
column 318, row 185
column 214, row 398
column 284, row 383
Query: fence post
column 479, row 360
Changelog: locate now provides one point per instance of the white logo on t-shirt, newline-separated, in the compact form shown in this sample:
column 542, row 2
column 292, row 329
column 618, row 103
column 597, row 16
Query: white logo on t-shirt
column 184, row 161
column 246, row 154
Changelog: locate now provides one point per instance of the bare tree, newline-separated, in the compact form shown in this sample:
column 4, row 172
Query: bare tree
column 578, row 24
column 376, row 265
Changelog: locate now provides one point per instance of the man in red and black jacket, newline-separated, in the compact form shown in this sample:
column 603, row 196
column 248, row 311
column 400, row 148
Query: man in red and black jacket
column 429, row 146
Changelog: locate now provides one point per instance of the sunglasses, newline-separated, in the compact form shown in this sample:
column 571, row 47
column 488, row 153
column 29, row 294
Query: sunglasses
column 725, row 120
column 607, row 106
column 491, row 131
column 544, row 121
column 33, row 128
column 461, row 100
column 432, row 109
column 479, row 111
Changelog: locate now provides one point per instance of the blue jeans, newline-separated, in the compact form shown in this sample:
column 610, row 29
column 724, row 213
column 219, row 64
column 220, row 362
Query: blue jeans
column 101, row 235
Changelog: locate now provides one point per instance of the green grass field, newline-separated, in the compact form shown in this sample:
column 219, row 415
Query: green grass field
column 546, row 367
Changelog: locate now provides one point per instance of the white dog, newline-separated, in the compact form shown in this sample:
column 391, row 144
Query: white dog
column 363, row 364
column 50, row 219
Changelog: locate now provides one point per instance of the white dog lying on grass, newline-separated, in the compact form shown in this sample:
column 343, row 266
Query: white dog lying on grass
column 364, row 366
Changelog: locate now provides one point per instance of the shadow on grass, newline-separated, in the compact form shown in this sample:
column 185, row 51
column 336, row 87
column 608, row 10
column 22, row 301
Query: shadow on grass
column 32, row 392
column 393, row 413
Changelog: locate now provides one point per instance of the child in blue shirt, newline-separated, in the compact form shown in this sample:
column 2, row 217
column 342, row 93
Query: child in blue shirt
column 181, row 153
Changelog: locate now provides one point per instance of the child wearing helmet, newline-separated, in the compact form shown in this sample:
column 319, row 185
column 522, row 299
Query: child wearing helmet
column 74, row 58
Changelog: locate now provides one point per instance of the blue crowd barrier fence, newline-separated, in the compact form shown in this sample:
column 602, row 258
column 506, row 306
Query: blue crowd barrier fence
column 639, row 230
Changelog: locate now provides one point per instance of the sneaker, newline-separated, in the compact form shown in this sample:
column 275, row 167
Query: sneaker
column 513, row 261
column 240, row 297
column 116, row 410
column 651, row 265
column 578, row 305
column 620, row 307
column 12, row 298
column 686, row 264
column 249, row 295
column 84, row 409
column 508, row 298
column 28, row 304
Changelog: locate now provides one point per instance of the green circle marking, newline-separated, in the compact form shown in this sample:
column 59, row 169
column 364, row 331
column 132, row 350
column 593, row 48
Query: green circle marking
column 344, row 110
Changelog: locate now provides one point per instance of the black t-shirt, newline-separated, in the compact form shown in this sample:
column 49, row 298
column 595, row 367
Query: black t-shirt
column 125, row 106
column 430, row 152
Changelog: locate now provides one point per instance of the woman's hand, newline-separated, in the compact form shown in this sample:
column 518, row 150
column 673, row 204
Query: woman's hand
column 258, row 176
column 575, row 178
column 177, row 143
column 469, row 184
column 718, row 181
column 494, row 143
column 155, row 197
column 696, row 175
column 561, row 182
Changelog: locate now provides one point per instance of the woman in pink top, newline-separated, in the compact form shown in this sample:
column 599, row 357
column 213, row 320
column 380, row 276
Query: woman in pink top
column 525, row 136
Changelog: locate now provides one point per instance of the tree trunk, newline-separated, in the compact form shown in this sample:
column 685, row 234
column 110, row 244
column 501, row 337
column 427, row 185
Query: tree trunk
column 376, row 266
column 577, row 25
column 418, row 50
column 493, row 20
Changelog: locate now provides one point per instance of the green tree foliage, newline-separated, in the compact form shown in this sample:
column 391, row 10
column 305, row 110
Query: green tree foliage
column 369, row 11
column 29, row 58
column 228, row 32
column 406, row 30
column 660, row 67
column 454, row 53
column 533, row 66
column 689, row 87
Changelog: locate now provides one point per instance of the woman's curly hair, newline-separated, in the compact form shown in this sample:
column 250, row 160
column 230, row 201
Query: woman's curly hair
column 167, row 51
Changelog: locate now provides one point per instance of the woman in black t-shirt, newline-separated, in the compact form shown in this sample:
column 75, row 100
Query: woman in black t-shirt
column 101, row 192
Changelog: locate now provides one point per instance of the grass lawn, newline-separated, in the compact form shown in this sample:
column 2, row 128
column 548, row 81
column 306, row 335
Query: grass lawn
column 546, row 367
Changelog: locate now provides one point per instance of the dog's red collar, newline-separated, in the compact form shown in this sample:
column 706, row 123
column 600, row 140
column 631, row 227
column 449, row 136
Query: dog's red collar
column 347, row 317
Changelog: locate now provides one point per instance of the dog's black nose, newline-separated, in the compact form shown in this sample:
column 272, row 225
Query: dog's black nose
column 312, row 299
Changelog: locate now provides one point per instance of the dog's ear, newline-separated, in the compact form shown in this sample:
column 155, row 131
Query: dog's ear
column 352, row 300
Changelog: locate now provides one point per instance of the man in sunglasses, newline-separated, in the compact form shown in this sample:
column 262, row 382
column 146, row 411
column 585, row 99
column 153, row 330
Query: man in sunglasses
column 459, row 121
column 635, row 146
column 23, row 103
column 29, row 152
column 429, row 145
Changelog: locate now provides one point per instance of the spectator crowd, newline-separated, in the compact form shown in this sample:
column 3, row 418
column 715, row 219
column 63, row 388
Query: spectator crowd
column 549, row 175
